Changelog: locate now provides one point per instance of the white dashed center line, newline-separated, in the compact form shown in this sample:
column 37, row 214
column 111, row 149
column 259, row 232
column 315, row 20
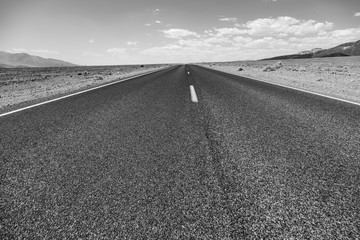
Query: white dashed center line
column 194, row 98
column 188, row 73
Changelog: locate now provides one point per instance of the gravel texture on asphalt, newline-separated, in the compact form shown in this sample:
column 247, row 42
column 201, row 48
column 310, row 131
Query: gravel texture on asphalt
column 288, row 161
column 139, row 160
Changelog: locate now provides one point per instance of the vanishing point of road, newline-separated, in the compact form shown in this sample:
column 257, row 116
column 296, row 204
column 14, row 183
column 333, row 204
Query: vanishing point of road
column 183, row 153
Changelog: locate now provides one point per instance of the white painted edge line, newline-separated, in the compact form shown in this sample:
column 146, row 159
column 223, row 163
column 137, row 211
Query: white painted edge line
column 77, row 93
column 194, row 97
column 294, row 88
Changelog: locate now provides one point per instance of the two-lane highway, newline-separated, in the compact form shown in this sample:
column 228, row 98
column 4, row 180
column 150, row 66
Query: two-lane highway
column 142, row 159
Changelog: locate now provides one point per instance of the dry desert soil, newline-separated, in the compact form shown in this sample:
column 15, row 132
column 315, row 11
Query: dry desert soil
column 337, row 77
column 23, row 86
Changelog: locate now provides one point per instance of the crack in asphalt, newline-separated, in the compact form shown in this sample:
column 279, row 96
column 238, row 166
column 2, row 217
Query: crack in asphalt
column 218, row 152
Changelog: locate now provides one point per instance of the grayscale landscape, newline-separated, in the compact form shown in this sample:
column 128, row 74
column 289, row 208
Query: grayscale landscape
column 23, row 86
column 159, row 119
column 335, row 76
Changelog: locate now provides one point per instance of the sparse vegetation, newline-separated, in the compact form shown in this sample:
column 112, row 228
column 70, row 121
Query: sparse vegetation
column 98, row 78
column 273, row 67
column 338, row 77
column 25, row 84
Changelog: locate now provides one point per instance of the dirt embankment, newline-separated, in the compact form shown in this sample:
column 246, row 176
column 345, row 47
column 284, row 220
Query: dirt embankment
column 336, row 77
column 20, row 85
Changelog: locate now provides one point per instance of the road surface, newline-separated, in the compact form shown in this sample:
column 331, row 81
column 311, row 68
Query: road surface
column 142, row 159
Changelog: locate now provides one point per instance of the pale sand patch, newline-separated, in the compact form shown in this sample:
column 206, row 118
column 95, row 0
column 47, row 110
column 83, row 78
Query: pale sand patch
column 336, row 77
column 22, row 85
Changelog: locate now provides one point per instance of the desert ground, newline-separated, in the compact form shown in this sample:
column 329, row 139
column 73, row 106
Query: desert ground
column 22, row 85
column 337, row 77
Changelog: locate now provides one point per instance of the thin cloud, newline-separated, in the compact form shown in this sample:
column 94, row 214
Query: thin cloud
column 158, row 22
column 92, row 54
column 131, row 43
column 179, row 33
column 357, row 14
column 156, row 12
column 91, row 41
column 229, row 31
column 281, row 26
column 116, row 51
column 228, row 19
column 148, row 24
column 22, row 50
column 44, row 51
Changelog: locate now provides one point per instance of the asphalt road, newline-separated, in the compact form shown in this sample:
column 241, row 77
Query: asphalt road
column 140, row 160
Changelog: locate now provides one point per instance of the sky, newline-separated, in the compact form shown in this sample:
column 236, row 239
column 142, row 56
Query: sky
column 113, row 32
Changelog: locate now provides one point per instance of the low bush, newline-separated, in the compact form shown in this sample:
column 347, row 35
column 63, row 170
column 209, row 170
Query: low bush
column 273, row 67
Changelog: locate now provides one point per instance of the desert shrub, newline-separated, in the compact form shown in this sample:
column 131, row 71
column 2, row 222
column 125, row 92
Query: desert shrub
column 240, row 69
column 268, row 69
column 278, row 65
column 302, row 69
column 273, row 67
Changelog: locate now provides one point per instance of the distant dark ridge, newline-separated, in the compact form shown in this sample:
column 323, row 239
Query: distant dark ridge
column 293, row 56
column 17, row 60
column 342, row 50
column 336, row 55
column 5, row 66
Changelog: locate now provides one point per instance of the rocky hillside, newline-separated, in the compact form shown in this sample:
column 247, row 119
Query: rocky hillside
column 346, row 49
column 343, row 50
column 8, row 60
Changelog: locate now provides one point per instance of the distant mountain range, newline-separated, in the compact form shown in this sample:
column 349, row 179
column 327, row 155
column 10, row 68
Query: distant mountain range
column 343, row 50
column 14, row 60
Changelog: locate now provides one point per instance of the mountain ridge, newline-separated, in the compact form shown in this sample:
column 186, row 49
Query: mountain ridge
column 14, row 60
column 342, row 50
